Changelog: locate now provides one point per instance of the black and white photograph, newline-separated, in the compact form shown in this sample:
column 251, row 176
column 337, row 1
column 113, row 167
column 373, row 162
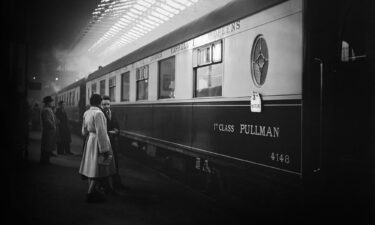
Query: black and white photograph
column 189, row 112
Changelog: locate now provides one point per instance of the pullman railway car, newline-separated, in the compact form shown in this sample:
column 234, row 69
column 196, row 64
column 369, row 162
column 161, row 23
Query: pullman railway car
column 268, row 95
column 74, row 96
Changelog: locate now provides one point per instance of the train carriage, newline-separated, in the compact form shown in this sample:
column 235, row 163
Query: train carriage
column 253, row 95
column 74, row 97
column 195, row 96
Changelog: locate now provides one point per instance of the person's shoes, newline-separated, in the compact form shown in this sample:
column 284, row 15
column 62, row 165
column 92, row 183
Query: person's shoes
column 45, row 163
column 69, row 153
column 95, row 197
column 121, row 186
column 113, row 192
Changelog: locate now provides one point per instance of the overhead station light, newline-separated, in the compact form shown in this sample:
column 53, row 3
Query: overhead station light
column 132, row 19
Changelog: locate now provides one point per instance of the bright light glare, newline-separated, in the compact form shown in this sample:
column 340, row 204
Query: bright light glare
column 134, row 19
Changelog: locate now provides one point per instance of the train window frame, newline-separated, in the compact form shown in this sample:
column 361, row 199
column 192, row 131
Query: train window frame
column 93, row 88
column 215, row 61
column 160, row 85
column 102, row 84
column 127, row 73
column 214, row 46
column 112, row 88
column 209, row 90
column 352, row 40
column 142, row 76
column 73, row 97
column 204, row 55
column 211, row 46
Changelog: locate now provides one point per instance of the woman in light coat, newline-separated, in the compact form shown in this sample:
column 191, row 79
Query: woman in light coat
column 97, row 153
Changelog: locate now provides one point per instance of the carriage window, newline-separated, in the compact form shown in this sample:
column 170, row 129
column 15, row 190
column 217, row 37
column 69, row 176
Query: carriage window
column 259, row 61
column 208, row 72
column 208, row 80
column 353, row 39
column 125, row 86
column 204, row 55
column 142, row 82
column 347, row 52
column 166, row 78
column 73, row 98
column 77, row 97
column 93, row 88
column 216, row 52
column 102, row 87
column 112, row 88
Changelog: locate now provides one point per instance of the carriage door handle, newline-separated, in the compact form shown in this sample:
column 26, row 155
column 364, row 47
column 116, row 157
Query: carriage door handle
column 317, row 169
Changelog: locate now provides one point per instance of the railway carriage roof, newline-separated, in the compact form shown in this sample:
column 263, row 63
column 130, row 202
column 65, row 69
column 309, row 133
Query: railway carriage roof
column 73, row 85
column 218, row 18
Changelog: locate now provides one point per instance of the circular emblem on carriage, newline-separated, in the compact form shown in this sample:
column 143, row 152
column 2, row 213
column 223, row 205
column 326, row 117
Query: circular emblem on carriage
column 259, row 61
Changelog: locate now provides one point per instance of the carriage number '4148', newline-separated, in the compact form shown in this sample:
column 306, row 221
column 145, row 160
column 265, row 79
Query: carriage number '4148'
column 280, row 158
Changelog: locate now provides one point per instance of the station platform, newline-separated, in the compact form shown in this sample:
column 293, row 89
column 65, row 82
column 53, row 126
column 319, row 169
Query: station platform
column 55, row 194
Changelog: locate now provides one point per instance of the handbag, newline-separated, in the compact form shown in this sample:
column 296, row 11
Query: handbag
column 105, row 161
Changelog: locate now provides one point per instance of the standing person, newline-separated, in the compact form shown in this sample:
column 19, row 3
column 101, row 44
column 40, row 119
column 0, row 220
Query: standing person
column 48, row 130
column 35, row 117
column 113, row 133
column 63, row 137
column 97, row 155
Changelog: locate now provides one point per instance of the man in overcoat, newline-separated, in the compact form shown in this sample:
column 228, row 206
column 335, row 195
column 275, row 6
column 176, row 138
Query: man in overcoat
column 35, row 117
column 63, row 131
column 48, row 120
column 113, row 130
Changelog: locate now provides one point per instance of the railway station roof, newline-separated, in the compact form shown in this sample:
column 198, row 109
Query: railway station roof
column 220, row 17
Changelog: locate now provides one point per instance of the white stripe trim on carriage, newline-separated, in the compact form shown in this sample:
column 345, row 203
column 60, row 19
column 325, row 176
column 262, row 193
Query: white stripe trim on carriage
column 209, row 99
column 180, row 105
column 213, row 153
column 297, row 104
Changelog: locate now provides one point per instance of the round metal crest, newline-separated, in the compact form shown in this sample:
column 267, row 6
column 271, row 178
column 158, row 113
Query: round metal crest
column 259, row 61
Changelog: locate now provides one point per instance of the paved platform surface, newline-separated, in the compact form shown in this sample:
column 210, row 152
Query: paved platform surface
column 55, row 194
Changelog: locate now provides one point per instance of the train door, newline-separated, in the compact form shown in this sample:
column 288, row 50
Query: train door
column 338, row 103
column 346, row 127
column 348, row 97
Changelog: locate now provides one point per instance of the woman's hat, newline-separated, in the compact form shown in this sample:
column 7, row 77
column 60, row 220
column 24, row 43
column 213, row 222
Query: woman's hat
column 47, row 99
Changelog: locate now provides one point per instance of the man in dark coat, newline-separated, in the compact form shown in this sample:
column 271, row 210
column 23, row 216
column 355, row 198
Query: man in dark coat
column 35, row 117
column 113, row 130
column 48, row 130
column 63, row 132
